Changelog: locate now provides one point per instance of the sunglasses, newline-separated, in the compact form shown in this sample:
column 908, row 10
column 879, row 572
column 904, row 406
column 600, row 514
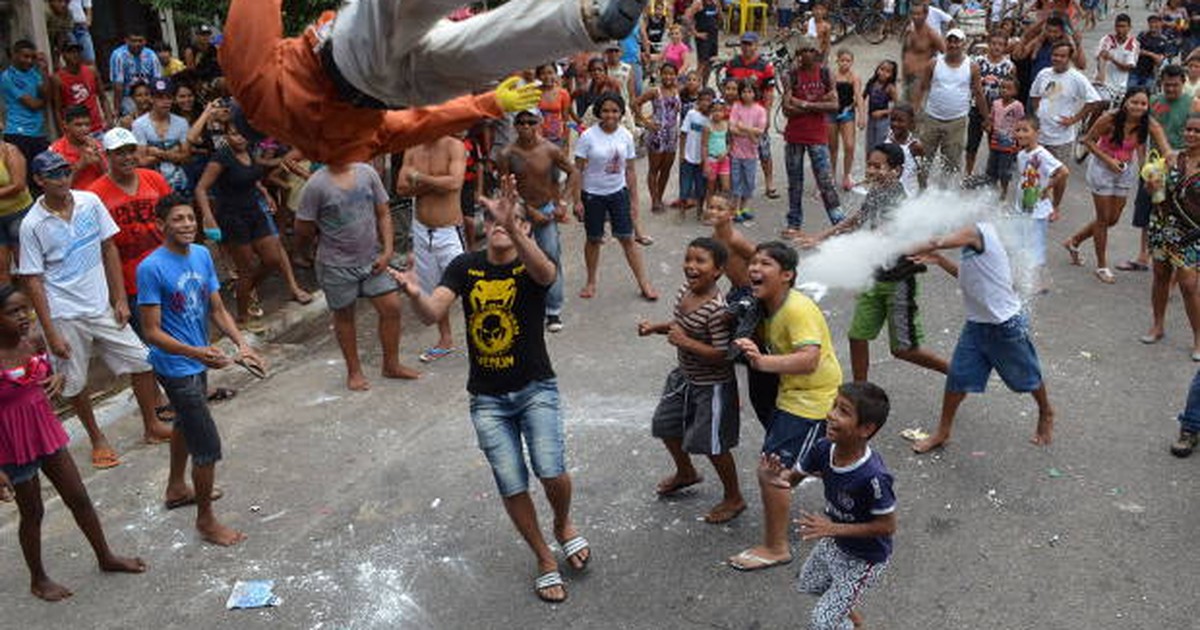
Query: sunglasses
column 58, row 173
column 525, row 123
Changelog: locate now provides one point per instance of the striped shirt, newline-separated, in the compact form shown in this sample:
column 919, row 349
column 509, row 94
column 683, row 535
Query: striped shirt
column 708, row 324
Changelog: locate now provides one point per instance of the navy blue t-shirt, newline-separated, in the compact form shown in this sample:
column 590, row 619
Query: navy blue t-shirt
column 854, row 494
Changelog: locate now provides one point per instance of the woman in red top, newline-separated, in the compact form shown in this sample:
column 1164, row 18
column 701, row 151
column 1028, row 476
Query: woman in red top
column 555, row 107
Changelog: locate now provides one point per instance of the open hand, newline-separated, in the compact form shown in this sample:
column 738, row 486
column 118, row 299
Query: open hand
column 772, row 471
column 504, row 208
column 213, row 357
column 53, row 384
column 514, row 98
column 814, row 526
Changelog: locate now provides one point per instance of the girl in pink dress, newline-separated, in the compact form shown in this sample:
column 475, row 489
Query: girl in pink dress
column 32, row 438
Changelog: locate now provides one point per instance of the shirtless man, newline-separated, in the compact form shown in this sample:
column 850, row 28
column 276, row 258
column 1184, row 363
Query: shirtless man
column 536, row 163
column 921, row 45
column 433, row 173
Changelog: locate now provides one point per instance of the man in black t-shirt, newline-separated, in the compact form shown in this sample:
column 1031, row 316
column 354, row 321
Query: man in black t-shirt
column 514, row 393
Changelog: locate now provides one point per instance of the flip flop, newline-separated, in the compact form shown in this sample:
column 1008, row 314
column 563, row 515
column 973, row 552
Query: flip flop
column 217, row 493
column 772, row 193
column 723, row 516
column 547, row 581
column 221, row 394
column 433, row 354
column 1106, row 275
column 255, row 370
column 677, row 486
column 644, row 241
column 1133, row 265
column 649, row 297
column 1076, row 255
column 104, row 458
column 750, row 561
column 573, row 548
column 165, row 413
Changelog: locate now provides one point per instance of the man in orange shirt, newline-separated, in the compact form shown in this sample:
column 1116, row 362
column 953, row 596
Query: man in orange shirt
column 81, row 150
column 328, row 92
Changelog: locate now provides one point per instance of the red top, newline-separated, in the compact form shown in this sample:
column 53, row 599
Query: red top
column 81, row 88
column 85, row 176
column 554, row 106
column 29, row 429
column 134, row 214
column 810, row 127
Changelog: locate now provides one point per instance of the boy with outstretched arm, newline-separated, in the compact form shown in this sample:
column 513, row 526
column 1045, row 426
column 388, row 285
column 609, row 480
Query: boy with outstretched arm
column 996, row 334
column 178, row 290
column 854, row 536
column 698, row 411
column 799, row 349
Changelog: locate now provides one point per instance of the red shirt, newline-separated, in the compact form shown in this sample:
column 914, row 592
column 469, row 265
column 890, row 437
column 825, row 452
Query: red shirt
column 84, row 177
column 809, row 127
column 134, row 214
column 81, row 89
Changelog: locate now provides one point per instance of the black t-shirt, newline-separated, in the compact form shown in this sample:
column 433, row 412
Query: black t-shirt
column 237, row 189
column 503, row 308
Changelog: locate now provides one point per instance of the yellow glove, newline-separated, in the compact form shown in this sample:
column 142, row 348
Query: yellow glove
column 514, row 99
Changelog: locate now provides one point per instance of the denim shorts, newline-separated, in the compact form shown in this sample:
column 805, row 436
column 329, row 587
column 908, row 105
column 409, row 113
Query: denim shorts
column 612, row 208
column 791, row 437
column 742, row 181
column 189, row 396
column 1004, row 347
column 20, row 473
column 10, row 228
column 532, row 413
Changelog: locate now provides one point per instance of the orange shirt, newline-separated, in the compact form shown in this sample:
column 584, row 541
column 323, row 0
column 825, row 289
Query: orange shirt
column 84, row 177
column 134, row 214
column 285, row 93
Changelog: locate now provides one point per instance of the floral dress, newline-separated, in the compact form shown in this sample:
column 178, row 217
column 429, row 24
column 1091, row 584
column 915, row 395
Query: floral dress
column 1170, row 224
column 665, row 139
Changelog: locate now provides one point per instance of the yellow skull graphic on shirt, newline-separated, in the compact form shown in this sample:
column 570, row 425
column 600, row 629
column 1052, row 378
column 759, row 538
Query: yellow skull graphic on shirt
column 492, row 326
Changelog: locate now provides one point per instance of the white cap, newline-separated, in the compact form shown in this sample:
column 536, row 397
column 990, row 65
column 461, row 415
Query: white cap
column 118, row 137
column 956, row 33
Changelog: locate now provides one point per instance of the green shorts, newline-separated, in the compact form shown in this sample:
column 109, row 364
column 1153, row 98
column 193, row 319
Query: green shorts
column 894, row 303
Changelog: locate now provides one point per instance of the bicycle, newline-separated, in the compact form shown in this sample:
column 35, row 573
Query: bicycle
column 864, row 20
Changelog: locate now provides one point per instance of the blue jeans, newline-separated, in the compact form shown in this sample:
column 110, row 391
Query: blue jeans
column 1138, row 81
column 502, row 421
column 82, row 36
column 691, row 181
column 189, row 396
column 818, row 155
column 547, row 238
column 1189, row 420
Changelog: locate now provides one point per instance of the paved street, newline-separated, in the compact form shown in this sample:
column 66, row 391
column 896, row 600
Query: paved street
column 376, row 510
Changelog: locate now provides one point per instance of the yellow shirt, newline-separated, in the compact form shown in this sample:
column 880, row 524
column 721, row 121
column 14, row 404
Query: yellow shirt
column 13, row 203
column 176, row 66
column 798, row 323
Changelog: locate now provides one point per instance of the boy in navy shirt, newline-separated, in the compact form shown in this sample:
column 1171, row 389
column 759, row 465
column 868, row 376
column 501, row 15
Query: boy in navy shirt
column 854, row 536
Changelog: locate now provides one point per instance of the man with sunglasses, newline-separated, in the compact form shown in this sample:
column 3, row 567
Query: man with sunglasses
column 514, row 392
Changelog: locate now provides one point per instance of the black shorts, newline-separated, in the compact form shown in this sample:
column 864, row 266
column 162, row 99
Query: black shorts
column 242, row 226
column 706, row 48
column 1141, row 206
column 189, row 396
column 974, row 131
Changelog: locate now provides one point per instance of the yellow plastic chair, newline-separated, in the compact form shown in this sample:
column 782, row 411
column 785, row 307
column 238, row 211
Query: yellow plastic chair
column 756, row 13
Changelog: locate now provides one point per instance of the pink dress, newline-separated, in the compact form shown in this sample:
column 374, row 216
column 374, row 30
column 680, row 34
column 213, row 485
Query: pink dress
column 29, row 430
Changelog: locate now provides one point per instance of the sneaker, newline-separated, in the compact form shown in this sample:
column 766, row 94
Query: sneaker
column 747, row 215
column 740, row 217
column 1185, row 444
column 554, row 323
column 615, row 19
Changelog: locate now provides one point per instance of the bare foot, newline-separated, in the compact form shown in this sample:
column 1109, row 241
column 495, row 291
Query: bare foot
column 1045, row 430
column 119, row 564
column 649, row 294
column 158, row 433
column 401, row 372
column 357, row 383
column 302, row 296
column 218, row 534
column 677, row 482
column 725, row 511
column 49, row 590
column 588, row 292
column 937, row 440
column 856, row 618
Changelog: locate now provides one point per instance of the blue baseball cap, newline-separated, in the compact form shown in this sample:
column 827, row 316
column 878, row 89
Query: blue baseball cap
column 48, row 162
column 749, row 37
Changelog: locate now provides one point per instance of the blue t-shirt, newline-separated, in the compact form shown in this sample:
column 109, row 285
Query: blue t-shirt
column 22, row 121
column 854, row 494
column 181, row 287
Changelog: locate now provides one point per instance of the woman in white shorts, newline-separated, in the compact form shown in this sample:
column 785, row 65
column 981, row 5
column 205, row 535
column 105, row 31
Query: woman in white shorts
column 1118, row 144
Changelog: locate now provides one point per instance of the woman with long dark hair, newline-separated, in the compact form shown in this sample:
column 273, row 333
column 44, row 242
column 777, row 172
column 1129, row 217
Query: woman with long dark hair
column 1118, row 143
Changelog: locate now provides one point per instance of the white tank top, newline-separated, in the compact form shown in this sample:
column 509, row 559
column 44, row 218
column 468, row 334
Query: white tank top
column 986, row 280
column 949, row 91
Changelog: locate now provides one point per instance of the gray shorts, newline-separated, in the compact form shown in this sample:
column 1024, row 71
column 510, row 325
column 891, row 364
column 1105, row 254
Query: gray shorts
column 1104, row 182
column 344, row 285
column 706, row 417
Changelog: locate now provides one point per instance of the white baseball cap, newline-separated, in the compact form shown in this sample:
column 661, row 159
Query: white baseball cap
column 118, row 137
column 957, row 34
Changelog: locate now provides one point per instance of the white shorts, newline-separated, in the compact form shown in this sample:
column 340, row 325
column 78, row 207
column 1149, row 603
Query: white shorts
column 120, row 348
column 1104, row 182
column 433, row 249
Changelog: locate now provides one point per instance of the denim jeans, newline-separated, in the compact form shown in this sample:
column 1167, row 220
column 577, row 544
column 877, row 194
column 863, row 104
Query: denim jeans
column 189, row 396
column 1189, row 420
column 82, row 36
column 547, row 238
column 532, row 413
column 818, row 155
column 691, row 181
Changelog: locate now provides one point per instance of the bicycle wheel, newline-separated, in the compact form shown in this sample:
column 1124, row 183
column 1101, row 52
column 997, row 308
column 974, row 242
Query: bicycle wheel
column 873, row 28
column 839, row 28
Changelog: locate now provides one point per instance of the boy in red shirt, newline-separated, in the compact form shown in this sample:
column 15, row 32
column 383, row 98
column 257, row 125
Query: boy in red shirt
column 76, row 84
column 81, row 150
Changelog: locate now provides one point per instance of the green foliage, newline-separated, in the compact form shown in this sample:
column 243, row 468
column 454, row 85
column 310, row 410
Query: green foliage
column 188, row 13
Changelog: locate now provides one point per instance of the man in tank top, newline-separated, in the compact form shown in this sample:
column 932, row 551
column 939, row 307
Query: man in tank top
column 944, row 92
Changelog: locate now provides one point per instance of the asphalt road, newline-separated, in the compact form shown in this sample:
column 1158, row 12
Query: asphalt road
column 376, row 510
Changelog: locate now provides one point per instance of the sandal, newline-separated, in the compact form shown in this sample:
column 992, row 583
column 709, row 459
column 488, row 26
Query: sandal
column 644, row 241
column 547, row 581
column 1106, row 275
column 1132, row 265
column 433, row 354
column 1076, row 255
column 772, row 193
column 572, row 548
column 104, row 458
column 221, row 394
column 253, row 367
column 173, row 504
column 165, row 413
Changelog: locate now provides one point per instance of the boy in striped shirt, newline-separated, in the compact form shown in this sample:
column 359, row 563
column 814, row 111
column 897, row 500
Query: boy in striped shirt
column 698, row 411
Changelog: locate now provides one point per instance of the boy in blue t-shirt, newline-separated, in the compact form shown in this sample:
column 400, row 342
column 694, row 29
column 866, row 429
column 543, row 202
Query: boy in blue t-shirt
column 178, row 290
column 854, row 537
